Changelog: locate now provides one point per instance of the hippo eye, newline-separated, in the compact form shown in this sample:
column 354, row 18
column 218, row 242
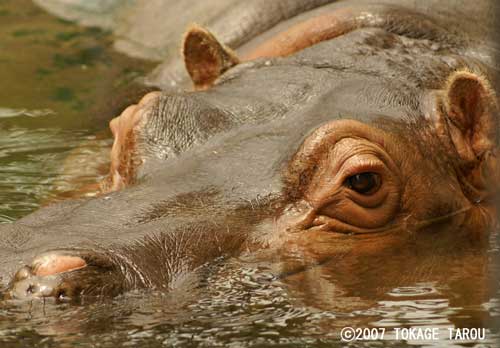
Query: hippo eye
column 364, row 183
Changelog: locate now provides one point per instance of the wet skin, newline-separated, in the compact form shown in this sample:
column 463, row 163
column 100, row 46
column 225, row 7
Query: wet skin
column 361, row 143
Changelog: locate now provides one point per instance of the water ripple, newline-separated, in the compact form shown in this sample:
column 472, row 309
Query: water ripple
column 8, row 113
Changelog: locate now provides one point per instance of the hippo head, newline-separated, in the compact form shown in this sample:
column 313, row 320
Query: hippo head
column 352, row 144
column 355, row 177
column 420, row 157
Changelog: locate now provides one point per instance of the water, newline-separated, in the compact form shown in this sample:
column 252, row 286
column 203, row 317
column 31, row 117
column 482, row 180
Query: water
column 52, row 73
column 245, row 303
column 54, row 77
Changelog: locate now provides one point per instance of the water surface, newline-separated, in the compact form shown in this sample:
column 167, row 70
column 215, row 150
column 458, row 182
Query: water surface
column 54, row 76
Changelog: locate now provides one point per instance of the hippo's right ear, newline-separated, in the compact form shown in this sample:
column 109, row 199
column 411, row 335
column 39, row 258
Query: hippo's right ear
column 205, row 57
column 468, row 122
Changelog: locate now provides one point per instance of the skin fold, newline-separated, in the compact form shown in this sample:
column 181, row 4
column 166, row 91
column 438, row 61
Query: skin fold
column 359, row 144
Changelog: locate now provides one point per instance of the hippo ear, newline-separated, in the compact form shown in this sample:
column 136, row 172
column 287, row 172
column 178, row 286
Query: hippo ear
column 205, row 57
column 469, row 120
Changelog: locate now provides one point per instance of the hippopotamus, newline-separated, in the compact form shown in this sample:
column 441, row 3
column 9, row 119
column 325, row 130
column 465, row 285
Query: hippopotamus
column 351, row 130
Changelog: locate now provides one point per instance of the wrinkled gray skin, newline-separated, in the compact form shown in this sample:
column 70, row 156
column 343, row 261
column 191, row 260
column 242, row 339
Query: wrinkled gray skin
column 141, row 32
column 213, row 185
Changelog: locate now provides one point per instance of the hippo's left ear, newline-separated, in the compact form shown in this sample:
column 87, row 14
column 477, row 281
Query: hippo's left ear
column 469, row 120
column 205, row 57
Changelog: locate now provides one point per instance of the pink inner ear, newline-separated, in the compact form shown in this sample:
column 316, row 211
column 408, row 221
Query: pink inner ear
column 470, row 103
column 55, row 264
column 200, row 57
column 465, row 101
column 205, row 57
column 469, row 124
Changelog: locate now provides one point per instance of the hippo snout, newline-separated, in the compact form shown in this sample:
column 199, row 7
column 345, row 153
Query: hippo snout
column 34, row 287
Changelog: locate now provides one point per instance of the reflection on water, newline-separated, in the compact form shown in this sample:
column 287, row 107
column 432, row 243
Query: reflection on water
column 7, row 113
column 37, row 165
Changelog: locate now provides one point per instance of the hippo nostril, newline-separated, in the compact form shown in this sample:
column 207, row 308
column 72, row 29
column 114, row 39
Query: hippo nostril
column 61, row 295
column 23, row 273
column 41, row 290
column 31, row 289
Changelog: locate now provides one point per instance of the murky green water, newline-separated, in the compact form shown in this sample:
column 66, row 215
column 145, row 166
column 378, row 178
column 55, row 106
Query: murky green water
column 52, row 74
